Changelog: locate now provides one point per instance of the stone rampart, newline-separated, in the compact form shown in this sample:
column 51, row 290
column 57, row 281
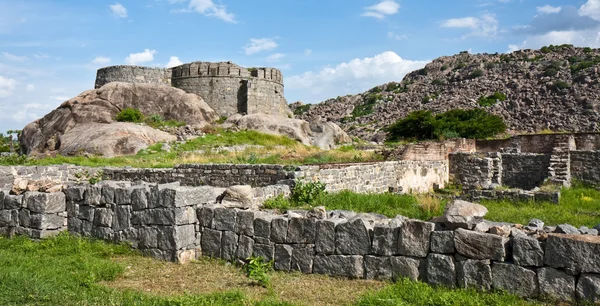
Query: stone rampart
column 177, row 223
column 585, row 166
column 133, row 74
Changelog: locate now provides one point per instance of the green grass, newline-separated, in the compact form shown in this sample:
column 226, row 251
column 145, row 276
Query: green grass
column 229, row 138
column 406, row 292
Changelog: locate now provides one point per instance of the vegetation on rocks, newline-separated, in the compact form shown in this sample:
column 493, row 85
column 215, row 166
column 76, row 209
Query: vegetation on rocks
column 156, row 121
column 9, row 142
column 491, row 99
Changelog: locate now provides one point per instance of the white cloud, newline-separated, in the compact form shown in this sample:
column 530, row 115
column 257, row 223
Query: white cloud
column 549, row 9
column 307, row 52
column 395, row 36
column 30, row 87
column 382, row 9
column 14, row 58
column 354, row 76
column 259, row 44
column 484, row 26
column 275, row 57
column 7, row 86
column 173, row 62
column 591, row 9
column 583, row 38
column 118, row 10
column 208, row 8
column 60, row 98
column 100, row 60
column 142, row 57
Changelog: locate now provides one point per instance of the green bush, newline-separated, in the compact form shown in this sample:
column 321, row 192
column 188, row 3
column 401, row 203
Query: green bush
column 476, row 74
column 560, row 85
column 308, row 192
column 130, row 115
column 257, row 269
column 368, row 105
column 437, row 82
column 420, row 125
column 492, row 99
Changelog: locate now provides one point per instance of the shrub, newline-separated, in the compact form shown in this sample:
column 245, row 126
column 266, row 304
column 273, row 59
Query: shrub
column 257, row 269
column 130, row 115
column 368, row 105
column 418, row 125
column 476, row 74
column 437, row 82
column 560, row 85
column 307, row 192
column 492, row 99
column 423, row 71
column 445, row 67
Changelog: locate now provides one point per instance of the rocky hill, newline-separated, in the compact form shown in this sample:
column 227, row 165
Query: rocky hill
column 555, row 88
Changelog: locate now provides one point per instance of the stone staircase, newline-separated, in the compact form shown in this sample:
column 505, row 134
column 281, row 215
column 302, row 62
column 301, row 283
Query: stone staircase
column 559, row 172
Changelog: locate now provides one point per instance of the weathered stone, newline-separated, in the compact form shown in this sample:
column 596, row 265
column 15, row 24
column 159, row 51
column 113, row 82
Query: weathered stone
column 442, row 242
column 302, row 258
column 139, row 198
column 527, row 252
column 319, row 213
column 229, row 242
column 74, row 226
column 74, row 193
column 6, row 219
column 24, row 218
column 239, row 196
column 279, row 229
column 102, row 233
column 211, row 243
column 414, row 238
column 441, row 270
column 588, row 288
column 301, row 230
column 244, row 222
column 123, row 196
column 176, row 237
column 92, row 195
column 262, row 225
column 409, row 267
column 325, row 235
column 579, row 253
column 283, row 257
column 86, row 228
column 556, row 284
column 205, row 215
column 352, row 237
column 86, row 213
column 536, row 223
column 500, row 230
column 379, row 268
column 351, row 266
column 155, row 216
column 186, row 256
column 14, row 201
column 477, row 245
column 514, row 279
column 45, row 221
column 107, row 195
column 45, row 202
column 129, row 235
column 385, row 236
column 181, row 196
column 44, row 234
column 245, row 247
column 264, row 250
column 463, row 214
column 185, row 215
column 566, row 229
column 474, row 274
column 72, row 209
column 103, row 217
column 148, row 238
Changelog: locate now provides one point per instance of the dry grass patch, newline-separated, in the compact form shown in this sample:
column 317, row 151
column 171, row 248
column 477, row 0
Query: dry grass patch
column 208, row 276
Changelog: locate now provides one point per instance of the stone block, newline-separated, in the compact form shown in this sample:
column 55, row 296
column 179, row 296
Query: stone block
column 414, row 238
column 244, row 222
column 74, row 193
column 24, row 218
column 514, row 279
column 588, row 288
column 123, row 196
column 527, row 252
column 264, row 250
column 46, row 221
column 86, row 213
column 107, row 195
column 480, row 246
column 154, row 216
column 325, row 236
column 475, row 274
column 283, row 257
column 148, row 238
column 211, row 243
column 43, row 203
column 6, row 219
column 279, row 229
column 72, row 209
column 122, row 217
column 442, row 242
column 350, row 266
column 139, row 198
column 86, row 228
column 409, row 267
column 185, row 215
column 43, row 234
column 441, row 270
column 187, row 196
column 229, row 243
column 262, row 225
column 385, row 236
column 301, row 230
column 245, row 247
column 103, row 217
column 74, row 226
column 130, row 235
column 303, row 257
column 352, row 238
column 205, row 215
column 224, row 219
column 378, row 267
column 92, row 195
column 578, row 253
column 556, row 284
column 14, row 201
column 176, row 237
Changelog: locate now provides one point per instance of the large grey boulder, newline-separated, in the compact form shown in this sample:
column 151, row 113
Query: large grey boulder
column 556, row 284
column 239, row 196
column 477, row 245
column 579, row 253
column 98, row 108
column 463, row 214
column 514, row 279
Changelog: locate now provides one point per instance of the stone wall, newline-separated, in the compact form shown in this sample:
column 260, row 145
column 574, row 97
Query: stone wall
column 34, row 214
column 471, row 171
column 133, row 74
column 64, row 173
column 181, row 223
column 430, row 150
column 585, row 166
column 524, row 170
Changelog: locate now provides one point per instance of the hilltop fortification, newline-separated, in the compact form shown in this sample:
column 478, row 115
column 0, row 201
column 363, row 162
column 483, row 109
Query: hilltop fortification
column 226, row 87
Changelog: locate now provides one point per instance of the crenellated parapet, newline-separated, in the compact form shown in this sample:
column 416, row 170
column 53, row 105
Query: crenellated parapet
column 226, row 69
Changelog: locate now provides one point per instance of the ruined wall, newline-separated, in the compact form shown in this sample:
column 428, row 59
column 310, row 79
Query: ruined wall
column 132, row 74
column 585, row 166
column 471, row 171
column 430, row 150
column 524, row 170
column 64, row 173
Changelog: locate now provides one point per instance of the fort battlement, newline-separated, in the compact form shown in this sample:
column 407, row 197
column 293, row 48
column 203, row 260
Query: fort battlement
column 226, row 87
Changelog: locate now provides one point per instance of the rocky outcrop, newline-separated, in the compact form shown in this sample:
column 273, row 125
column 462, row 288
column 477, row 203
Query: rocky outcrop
column 554, row 88
column 58, row 129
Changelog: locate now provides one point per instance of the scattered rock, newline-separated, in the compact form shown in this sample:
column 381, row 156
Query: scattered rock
column 463, row 214
column 239, row 196
column 566, row 229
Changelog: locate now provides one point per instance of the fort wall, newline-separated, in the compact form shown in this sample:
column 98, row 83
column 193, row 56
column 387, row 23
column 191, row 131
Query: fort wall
column 132, row 74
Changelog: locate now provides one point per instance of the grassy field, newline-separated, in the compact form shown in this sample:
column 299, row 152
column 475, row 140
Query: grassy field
column 72, row 271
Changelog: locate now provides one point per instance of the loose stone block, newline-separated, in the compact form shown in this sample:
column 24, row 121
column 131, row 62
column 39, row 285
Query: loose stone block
column 264, row 250
column 527, row 252
column 301, row 230
column 176, row 237
column 92, row 195
column 379, row 268
column 580, row 253
column 139, row 198
column 123, row 196
column 46, row 221
column 385, row 236
column 442, row 242
column 351, row 266
column 283, row 257
column 107, row 195
column 279, row 228
column 42, row 203
column 441, row 270
column 224, row 219
column 103, row 217
column 148, row 238
column 588, row 288
column 477, row 245
column 556, row 284
column 352, row 238
column 514, row 279
column 245, row 247
column 473, row 273
column 409, row 267
column 414, row 238
column 302, row 258
column 244, row 222
column 211, row 243
column 229, row 242
column 325, row 236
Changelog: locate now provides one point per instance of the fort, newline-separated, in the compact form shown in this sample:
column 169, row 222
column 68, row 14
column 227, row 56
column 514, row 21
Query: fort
column 226, row 87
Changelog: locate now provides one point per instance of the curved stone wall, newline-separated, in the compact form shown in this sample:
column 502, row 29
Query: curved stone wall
column 132, row 74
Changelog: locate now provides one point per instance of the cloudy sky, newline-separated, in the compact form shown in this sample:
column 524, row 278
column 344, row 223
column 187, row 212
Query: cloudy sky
column 49, row 50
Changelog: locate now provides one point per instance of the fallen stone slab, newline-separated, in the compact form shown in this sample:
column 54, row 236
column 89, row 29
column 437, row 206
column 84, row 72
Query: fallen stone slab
column 463, row 214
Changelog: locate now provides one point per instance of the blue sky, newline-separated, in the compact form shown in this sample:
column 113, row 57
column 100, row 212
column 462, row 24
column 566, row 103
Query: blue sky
column 49, row 50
